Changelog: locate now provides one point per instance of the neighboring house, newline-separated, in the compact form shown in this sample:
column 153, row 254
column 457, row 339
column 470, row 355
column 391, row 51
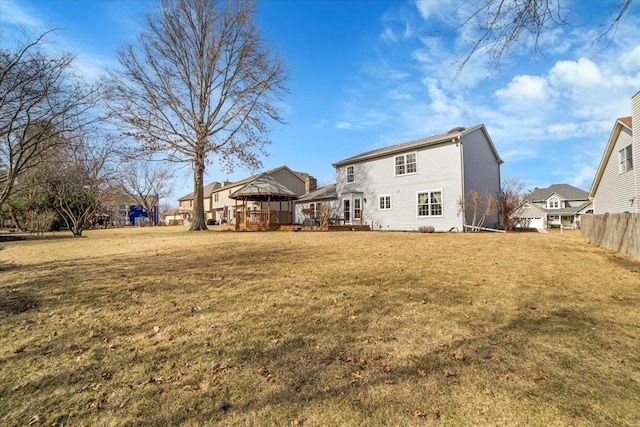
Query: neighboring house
column 416, row 183
column 121, row 209
column 220, row 207
column 177, row 216
column 308, row 207
column 558, row 204
column 616, row 187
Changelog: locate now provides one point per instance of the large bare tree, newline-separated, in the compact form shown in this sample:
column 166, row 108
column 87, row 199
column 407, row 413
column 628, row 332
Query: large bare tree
column 40, row 103
column 200, row 81
column 497, row 25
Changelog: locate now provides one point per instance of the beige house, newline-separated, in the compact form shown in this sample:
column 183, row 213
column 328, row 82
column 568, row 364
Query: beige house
column 219, row 207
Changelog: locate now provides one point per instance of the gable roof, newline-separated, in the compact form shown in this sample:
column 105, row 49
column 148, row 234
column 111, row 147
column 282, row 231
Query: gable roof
column 622, row 122
column 263, row 187
column 328, row 192
column 252, row 177
column 217, row 186
column 566, row 191
column 442, row 138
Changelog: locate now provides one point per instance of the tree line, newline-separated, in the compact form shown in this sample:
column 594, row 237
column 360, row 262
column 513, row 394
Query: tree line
column 200, row 84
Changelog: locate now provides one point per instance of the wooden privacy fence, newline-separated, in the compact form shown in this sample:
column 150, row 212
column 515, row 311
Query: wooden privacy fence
column 620, row 232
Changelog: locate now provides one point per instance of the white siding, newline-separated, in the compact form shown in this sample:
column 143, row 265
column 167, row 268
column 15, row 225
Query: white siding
column 481, row 170
column 438, row 168
column 616, row 189
column 635, row 122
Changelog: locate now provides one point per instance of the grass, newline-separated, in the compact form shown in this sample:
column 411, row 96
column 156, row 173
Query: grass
column 160, row 326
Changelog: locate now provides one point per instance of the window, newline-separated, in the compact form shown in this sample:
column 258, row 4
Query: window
column 626, row 159
column 312, row 210
column 216, row 197
column 357, row 209
column 406, row 164
column 553, row 203
column 384, row 202
column 351, row 174
column 430, row 203
column 346, row 212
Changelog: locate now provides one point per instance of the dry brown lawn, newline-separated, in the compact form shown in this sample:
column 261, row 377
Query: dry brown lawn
column 160, row 326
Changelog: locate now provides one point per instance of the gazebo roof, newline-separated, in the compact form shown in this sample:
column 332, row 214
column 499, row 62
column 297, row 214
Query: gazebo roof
column 263, row 188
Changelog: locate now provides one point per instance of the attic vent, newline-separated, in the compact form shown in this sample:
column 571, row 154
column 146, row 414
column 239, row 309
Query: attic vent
column 458, row 129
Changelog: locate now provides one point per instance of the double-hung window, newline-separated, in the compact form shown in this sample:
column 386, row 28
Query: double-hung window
column 384, row 202
column 626, row 159
column 351, row 174
column 405, row 164
column 430, row 203
column 216, row 197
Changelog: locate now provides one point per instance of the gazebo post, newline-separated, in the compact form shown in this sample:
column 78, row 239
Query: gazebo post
column 245, row 208
column 268, row 211
column 235, row 214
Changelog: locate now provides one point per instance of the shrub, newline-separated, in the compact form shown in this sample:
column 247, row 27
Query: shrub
column 427, row 229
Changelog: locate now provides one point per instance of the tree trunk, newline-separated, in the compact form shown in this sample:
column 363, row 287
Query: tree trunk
column 14, row 217
column 198, row 194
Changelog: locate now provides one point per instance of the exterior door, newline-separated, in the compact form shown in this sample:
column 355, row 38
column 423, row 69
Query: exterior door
column 346, row 211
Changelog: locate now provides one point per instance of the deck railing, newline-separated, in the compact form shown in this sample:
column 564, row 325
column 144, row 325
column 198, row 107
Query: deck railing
column 264, row 217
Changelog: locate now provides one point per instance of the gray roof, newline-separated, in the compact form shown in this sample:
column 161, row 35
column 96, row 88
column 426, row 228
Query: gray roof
column 263, row 187
column 569, row 192
column 328, row 192
column 417, row 143
column 207, row 190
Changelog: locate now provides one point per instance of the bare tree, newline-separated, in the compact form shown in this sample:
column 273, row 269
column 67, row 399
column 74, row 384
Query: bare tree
column 500, row 24
column 510, row 202
column 40, row 103
column 146, row 182
column 79, row 182
column 479, row 205
column 200, row 81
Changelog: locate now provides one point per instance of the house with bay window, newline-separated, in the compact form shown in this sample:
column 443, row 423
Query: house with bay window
column 415, row 183
column 554, row 206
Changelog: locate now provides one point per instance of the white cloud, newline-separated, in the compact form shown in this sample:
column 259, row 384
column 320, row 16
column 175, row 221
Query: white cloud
column 630, row 61
column 582, row 73
column 16, row 14
column 524, row 89
column 435, row 8
column 396, row 94
column 343, row 125
column 320, row 124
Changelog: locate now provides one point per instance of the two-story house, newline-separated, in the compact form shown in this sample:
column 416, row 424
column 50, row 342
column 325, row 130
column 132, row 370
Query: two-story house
column 558, row 204
column 219, row 207
column 416, row 183
column 616, row 187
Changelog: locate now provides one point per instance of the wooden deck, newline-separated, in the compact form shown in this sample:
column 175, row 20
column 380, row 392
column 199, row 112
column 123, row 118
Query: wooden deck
column 296, row 227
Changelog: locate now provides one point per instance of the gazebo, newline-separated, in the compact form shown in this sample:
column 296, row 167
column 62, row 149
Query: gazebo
column 267, row 194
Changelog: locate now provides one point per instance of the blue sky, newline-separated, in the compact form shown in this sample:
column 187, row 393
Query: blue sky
column 366, row 74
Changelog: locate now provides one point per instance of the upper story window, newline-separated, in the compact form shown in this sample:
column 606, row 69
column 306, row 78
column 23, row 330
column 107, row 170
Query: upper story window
column 405, row 164
column 553, row 203
column 626, row 159
column 216, row 197
column 351, row 174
